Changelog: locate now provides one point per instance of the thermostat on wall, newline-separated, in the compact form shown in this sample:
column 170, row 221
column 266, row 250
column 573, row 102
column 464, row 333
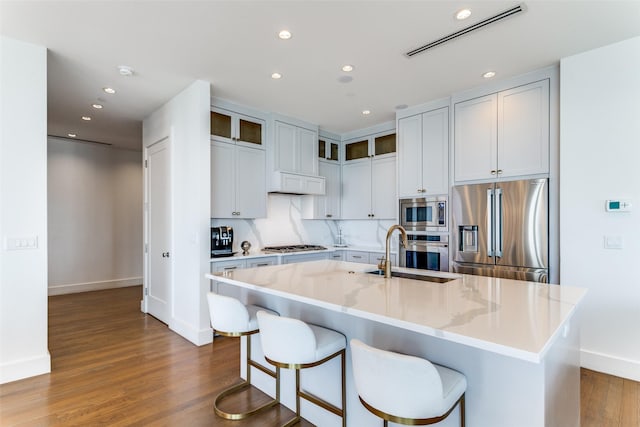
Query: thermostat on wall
column 618, row 205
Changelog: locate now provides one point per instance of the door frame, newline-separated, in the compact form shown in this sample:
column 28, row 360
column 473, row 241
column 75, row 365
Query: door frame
column 146, row 251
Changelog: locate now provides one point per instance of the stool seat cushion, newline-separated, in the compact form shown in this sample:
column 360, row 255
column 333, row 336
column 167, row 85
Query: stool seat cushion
column 292, row 341
column 230, row 316
column 328, row 341
column 404, row 386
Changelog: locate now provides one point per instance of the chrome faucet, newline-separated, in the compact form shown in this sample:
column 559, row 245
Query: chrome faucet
column 385, row 265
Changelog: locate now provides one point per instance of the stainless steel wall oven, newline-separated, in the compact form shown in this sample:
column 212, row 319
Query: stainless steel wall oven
column 424, row 214
column 426, row 251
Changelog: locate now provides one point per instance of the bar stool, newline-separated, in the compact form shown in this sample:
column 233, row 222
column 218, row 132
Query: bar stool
column 231, row 318
column 405, row 389
column 292, row 344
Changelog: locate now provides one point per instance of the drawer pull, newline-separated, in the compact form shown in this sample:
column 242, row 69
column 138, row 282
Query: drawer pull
column 263, row 264
column 231, row 268
column 356, row 256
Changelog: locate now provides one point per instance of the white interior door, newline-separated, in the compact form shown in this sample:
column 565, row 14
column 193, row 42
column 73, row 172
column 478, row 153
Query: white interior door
column 158, row 283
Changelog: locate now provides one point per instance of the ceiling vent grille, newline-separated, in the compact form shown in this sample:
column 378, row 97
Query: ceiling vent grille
column 502, row 15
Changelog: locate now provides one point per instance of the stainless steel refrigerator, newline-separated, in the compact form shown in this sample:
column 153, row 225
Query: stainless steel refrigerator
column 502, row 229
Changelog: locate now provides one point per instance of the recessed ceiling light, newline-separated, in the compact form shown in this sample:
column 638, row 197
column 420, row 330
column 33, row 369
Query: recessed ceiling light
column 347, row 68
column 463, row 14
column 489, row 74
column 284, row 35
column 366, row 112
column 97, row 106
column 72, row 135
column 125, row 70
column 109, row 90
column 276, row 76
column 86, row 118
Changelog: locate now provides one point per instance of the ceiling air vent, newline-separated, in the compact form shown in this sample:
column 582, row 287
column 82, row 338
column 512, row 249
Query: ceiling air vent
column 502, row 15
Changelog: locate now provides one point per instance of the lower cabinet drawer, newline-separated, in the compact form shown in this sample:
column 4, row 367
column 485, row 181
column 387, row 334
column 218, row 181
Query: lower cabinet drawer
column 235, row 264
column 262, row 262
column 358, row 256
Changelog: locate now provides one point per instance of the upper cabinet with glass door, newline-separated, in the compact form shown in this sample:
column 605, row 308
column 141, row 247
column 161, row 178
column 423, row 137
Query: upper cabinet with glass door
column 328, row 149
column 370, row 146
column 231, row 127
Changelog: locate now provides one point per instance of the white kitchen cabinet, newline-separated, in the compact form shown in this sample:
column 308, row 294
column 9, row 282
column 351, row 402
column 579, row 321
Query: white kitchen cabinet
column 327, row 206
column 369, row 188
column 261, row 262
column 358, row 256
column 369, row 177
column 235, row 263
column 295, row 149
column 365, row 257
column 377, row 257
column 423, row 154
column 232, row 127
column 238, row 187
column 229, row 265
column 503, row 135
column 302, row 257
column 338, row 256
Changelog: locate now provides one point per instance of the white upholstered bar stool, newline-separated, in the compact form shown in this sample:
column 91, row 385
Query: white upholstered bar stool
column 293, row 344
column 405, row 389
column 231, row 318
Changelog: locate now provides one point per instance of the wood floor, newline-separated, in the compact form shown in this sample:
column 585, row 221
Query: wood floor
column 116, row 366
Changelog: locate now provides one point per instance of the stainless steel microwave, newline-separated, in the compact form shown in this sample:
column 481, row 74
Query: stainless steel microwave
column 424, row 214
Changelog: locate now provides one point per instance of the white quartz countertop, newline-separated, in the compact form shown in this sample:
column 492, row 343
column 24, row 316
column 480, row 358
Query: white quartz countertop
column 330, row 249
column 514, row 318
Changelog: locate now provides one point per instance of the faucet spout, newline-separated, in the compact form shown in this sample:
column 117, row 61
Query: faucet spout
column 387, row 260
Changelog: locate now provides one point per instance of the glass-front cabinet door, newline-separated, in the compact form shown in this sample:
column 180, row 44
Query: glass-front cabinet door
column 356, row 150
column 328, row 150
column 228, row 126
column 384, row 144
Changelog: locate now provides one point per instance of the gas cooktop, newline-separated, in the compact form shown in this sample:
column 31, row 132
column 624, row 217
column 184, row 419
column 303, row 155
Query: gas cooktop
column 292, row 248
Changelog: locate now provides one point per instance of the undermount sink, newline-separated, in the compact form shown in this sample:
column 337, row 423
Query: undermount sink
column 422, row 277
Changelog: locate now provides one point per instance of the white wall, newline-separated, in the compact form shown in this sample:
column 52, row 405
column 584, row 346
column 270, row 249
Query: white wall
column 23, row 210
column 185, row 118
column 284, row 226
column 94, row 216
column 599, row 153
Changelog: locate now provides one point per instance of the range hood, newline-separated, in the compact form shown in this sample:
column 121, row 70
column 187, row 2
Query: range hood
column 295, row 183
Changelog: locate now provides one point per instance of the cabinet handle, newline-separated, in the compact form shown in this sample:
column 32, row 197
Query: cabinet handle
column 231, row 268
column 356, row 256
column 264, row 264
column 499, row 171
column 337, row 256
column 329, row 215
column 493, row 172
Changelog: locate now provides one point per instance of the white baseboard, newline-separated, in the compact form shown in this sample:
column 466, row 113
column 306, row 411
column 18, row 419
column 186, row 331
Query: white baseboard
column 94, row 286
column 612, row 365
column 25, row 368
column 187, row 331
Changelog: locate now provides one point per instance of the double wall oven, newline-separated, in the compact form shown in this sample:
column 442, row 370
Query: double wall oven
column 426, row 223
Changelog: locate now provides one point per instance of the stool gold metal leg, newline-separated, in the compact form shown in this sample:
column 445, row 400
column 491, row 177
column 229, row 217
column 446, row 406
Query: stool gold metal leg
column 244, row 385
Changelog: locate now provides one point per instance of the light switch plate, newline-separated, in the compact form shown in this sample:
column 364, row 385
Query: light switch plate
column 21, row 243
column 613, row 242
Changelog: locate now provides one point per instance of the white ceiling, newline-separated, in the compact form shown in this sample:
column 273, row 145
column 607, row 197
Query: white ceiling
column 234, row 45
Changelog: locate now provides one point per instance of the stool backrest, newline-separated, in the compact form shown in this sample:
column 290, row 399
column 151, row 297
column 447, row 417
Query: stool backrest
column 286, row 340
column 395, row 383
column 227, row 314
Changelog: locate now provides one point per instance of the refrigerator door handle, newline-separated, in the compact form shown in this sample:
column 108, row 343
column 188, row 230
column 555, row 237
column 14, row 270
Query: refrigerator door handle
column 490, row 221
column 498, row 223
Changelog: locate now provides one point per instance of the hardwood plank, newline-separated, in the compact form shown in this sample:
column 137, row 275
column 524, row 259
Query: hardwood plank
column 116, row 366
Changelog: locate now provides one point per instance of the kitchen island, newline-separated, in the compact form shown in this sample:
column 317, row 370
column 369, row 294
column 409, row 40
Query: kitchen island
column 516, row 342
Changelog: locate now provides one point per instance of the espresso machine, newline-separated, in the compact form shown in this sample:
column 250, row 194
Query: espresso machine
column 221, row 241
